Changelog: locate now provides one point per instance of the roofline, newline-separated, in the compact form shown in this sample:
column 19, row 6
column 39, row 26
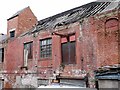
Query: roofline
column 12, row 17
column 18, row 13
column 66, row 11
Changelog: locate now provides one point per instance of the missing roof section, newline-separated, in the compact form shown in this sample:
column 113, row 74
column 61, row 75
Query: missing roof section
column 74, row 15
column 108, row 1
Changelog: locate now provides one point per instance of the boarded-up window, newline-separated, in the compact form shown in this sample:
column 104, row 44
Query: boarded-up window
column 46, row 48
column 1, row 55
column 28, row 52
column 68, row 51
column 28, row 47
column 1, row 84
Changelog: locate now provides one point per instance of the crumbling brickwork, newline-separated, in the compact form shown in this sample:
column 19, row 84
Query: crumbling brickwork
column 88, row 44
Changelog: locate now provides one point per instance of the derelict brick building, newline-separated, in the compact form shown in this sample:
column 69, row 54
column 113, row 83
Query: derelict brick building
column 73, row 46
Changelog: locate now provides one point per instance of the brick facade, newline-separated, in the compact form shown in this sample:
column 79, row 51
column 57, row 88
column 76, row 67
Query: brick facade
column 23, row 21
column 96, row 45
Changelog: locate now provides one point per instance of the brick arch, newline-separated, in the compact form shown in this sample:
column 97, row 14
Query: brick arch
column 111, row 24
column 110, row 45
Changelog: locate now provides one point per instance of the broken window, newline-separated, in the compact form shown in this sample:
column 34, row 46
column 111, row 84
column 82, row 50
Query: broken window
column 68, row 50
column 28, row 52
column 1, row 54
column 12, row 34
column 1, row 84
column 46, row 48
column 29, row 48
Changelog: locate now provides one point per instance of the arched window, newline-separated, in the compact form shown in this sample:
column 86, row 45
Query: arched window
column 111, row 24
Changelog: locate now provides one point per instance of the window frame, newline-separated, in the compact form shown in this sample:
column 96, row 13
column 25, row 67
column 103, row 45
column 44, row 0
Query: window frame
column 12, row 34
column 1, row 84
column 47, row 47
column 31, row 50
column 2, row 52
column 69, row 42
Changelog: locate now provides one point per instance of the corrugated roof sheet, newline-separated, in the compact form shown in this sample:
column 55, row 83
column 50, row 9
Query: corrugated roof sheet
column 74, row 15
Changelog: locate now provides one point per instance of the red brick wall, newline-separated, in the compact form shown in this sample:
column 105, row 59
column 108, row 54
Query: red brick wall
column 26, row 21
column 91, row 52
column 14, row 55
column 96, row 46
column 12, row 24
column 107, row 35
column 23, row 22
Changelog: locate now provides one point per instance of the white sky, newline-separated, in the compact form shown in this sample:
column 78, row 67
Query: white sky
column 41, row 8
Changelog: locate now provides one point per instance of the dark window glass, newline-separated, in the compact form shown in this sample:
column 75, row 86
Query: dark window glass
column 68, row 52
column 28, row 47
column 1, row 54
column 45, row 48
column 12, row 34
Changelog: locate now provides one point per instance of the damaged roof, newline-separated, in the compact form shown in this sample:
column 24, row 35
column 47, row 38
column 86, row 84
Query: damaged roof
column 74, row 15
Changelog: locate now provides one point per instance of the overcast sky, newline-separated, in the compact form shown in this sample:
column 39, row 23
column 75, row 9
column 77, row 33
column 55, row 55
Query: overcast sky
column 41, row 8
